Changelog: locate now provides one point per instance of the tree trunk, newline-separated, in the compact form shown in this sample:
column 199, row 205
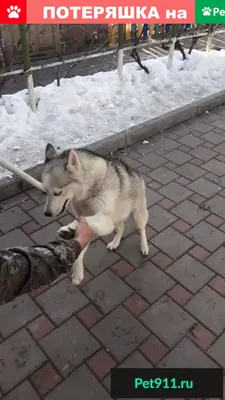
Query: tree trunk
column 27, row 64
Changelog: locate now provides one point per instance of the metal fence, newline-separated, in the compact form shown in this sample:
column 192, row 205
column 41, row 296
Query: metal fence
column 56, row 49
column 48, row 41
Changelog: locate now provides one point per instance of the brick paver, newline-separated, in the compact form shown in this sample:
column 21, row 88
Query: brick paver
column 164, row 310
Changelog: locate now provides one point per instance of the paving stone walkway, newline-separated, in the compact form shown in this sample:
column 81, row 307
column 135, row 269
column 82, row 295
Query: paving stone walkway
column 166, row 310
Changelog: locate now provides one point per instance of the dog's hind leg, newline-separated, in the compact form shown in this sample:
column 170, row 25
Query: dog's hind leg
column 119, row 228
column 140, row 216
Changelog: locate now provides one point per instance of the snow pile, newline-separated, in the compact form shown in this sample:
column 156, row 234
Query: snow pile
column 86, row 109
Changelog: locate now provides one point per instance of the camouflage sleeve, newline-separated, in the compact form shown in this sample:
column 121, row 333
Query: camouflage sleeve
column 23, row 269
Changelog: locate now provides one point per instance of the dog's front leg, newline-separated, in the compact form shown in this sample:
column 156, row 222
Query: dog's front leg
column 78, row 268
column 101, row 225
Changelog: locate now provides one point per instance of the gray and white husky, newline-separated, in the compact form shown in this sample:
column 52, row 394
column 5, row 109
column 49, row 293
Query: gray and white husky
column 103, row 189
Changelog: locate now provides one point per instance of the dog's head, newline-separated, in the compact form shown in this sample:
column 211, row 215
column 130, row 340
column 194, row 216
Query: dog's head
column 61, row 178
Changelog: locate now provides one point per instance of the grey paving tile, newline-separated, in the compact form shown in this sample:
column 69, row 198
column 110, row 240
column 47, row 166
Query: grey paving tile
column 61, row 301
column 98, row 258
column 214, row 166
column 21, row 392
column 219, row 123
column 150, row 282
column 175, row 192
column 12, row 218
column 120, row 332
column 13, row 201
column 144, row 148
column 178, row 157
column 69, row 345
column 203, row 153
column 190, row 171
column 186, row 355
column 131, row 162
column 213, row 137
column 20, row 356
column 220, row 148
column 220, row 111
column 199, row 126
column 83, row 383
column 219, row 180
column 208, row 307
column 37, row 214
column 47, row 234
column 152, row 197
column 129, row 249
column 216, row 205
column 135, row 360
column 190, row 140
column 36, row 195
column 169, row 322
column 189, row 212
column 172, row 243
column 180, row 130
column 152, row 160
column 107, row 291
column 167, row 144
column 134, row 154
column 204, row 187
column 190, row 273
column 208, row 117
column 163, row 175
column 217, row 351
column 207, row 236
column 159, row 218
column 16, row 314
column 15, row 238
column 209, row 145
column 130, row 227
column 217, row 261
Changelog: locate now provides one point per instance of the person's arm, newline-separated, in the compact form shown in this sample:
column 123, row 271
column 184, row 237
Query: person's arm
column 23, row 269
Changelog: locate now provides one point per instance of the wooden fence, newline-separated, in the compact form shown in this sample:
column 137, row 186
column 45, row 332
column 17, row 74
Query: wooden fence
column 48, row 41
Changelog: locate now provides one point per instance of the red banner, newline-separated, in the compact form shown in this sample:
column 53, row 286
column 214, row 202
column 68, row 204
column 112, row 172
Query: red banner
column 13, row 12
column 96, row 12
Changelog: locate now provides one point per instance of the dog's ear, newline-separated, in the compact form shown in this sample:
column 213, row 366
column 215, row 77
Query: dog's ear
column 72, row 160
column 50, row 152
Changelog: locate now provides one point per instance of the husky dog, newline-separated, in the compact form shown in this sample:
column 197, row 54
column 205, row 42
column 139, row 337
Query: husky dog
column 104, row 190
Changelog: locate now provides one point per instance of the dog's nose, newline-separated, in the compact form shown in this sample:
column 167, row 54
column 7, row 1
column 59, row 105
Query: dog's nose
column 48, row 213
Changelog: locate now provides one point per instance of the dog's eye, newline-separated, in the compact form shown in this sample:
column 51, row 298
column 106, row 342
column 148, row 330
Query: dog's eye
column 58, row 193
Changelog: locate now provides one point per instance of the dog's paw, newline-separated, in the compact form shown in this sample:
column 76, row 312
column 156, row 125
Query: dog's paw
column 77, row 277
column 112, row 245
column 76, row 281
column 66, row 234
column 145, row 250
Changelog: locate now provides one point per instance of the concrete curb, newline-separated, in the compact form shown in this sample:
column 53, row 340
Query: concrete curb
column 14, row 185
